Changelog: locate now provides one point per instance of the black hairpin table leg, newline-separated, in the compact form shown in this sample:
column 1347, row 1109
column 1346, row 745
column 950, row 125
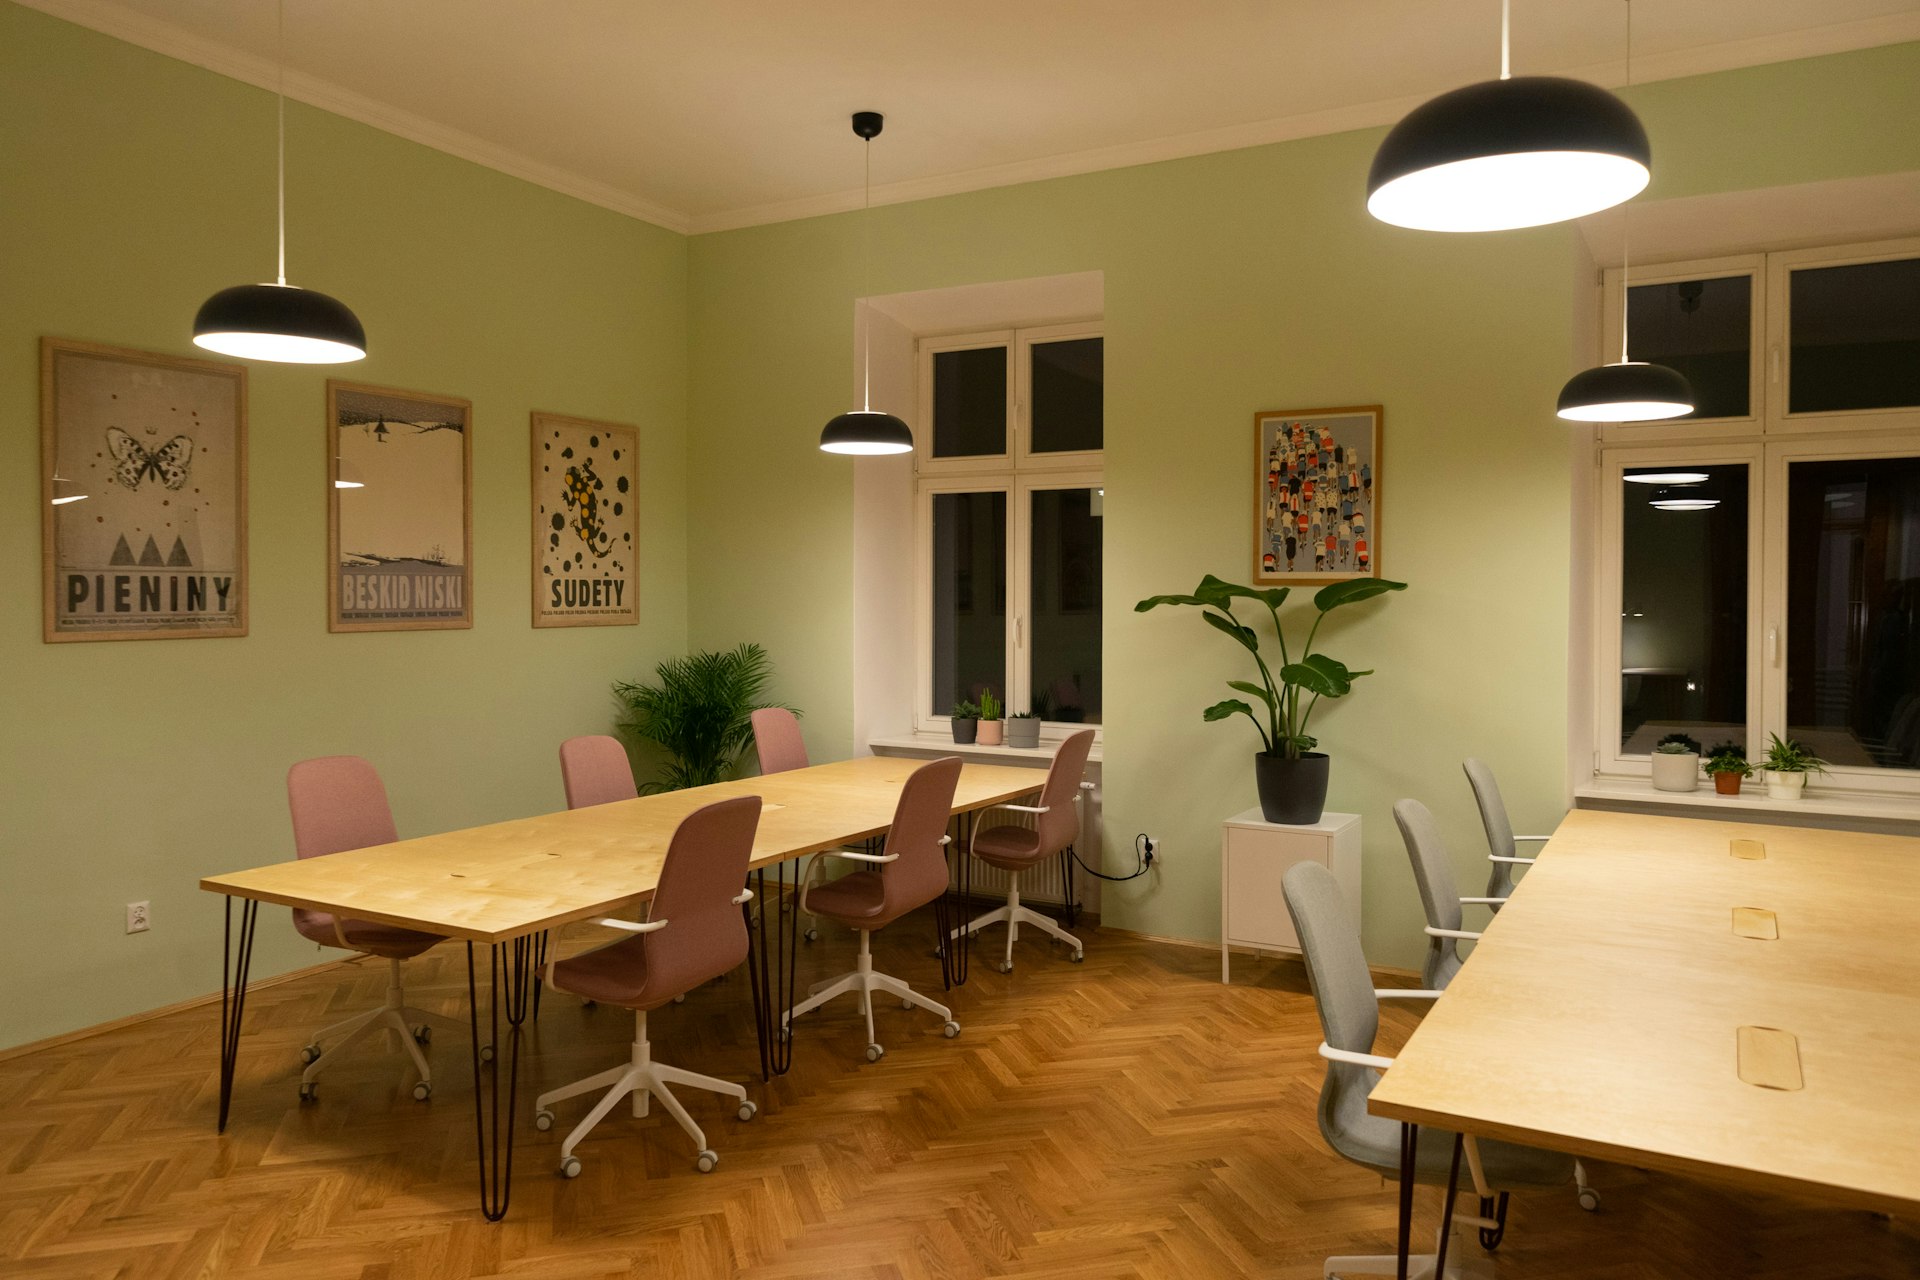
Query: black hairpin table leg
column 493, row 1134
column 1446, row 1212
column 951, row 912
column 233, row 996
column 1409, row 1146
column 771, row 965
column 539, row 969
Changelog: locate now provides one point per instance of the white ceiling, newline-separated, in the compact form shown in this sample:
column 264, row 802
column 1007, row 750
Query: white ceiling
column 706, row 114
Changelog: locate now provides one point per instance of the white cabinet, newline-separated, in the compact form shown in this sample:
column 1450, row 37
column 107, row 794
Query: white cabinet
column 1255, row 854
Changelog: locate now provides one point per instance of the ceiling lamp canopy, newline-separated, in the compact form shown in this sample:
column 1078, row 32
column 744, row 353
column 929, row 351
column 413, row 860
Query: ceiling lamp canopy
column 281, row 323
column 1630, row 391
column 867, row 431
column 1514, row 152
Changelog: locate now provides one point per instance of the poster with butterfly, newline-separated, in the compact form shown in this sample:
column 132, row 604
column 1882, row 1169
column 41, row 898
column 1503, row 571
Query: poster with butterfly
column 143, row 488
column 586, row 523
column 400, row 510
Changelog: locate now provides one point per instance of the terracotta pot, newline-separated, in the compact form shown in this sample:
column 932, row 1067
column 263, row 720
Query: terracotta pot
column 990, row 733
column 1727, row 784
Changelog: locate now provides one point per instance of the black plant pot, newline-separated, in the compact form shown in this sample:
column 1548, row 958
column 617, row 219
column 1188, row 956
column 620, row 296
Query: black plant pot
column 965, row 730
column 1291, row 791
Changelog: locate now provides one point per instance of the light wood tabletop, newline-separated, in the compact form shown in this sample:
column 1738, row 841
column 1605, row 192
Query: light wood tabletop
column 492, row 883
column 1721, row 999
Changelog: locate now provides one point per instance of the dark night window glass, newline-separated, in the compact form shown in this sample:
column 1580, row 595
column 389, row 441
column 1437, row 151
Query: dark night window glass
column 1703, row 329
column 1683, row 606
column 970, row 403
column 1068, row 395
column 969, row 597
column 1065, row 582
column 1855, row 337
column 1853, row 610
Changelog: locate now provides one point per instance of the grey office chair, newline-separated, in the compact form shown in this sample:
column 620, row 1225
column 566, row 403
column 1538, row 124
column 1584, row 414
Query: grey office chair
column 1433, row 872
column 1502, row 844
column 1349, row 1008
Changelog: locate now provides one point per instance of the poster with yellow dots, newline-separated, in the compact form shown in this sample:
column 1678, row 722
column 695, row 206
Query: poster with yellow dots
column 586, row 527
column 143, row 482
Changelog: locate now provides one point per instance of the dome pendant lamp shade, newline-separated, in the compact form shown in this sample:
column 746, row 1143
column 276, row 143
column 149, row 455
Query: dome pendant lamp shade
column 1520, row 151
column 867, row 431
column 280, row 323
column 1630, row 391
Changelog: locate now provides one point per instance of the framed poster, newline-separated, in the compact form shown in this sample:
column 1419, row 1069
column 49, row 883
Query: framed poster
column 1316, row 515
column 586, row 526
column 399, row 510
column 143, row 494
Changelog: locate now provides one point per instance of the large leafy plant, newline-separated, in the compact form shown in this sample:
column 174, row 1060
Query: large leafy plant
column 1290, row 696
column 700, row 710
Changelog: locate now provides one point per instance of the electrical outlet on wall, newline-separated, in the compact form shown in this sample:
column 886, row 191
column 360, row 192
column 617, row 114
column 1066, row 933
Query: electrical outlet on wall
column 137, row 921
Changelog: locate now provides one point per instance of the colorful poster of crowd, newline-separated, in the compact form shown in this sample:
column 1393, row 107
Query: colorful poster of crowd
column 1318, row 494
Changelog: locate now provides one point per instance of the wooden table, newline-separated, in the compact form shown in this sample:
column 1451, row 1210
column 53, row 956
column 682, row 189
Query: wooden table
column 1628, row 1003
column 507, row 884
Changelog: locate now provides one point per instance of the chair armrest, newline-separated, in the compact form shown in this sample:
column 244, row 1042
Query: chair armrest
column 1452, row 933
column 1023, row 808
column 851, row 856
column 1536, row 839
column 1404, row 993
column 1483, row 902
column 1522, row 862
column 632, row 926
column 746, row 896
column 1332, row 1054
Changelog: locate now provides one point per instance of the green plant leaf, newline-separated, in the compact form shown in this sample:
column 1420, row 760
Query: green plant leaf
column 1315, row 679
column 1154, row 602
column 1216, row 593
column 1257, row 690
column 1353, row 590
column 700, row 710
column 1221, row 710
column 1243, row 634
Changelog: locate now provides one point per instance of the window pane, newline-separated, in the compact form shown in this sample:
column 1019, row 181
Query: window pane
column 1853, row 610
column 1067, row 395
column 1855, row 334
column 1683, row 608
column 970, row 403
column 1065, row 667
column 1703, row 329
column 969, row 597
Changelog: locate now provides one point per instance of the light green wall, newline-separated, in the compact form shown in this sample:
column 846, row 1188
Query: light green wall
column 1238, row 282
column 134, row 186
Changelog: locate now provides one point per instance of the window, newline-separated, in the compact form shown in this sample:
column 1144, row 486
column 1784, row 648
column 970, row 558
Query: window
column 1760, row 563
column 1009, row 493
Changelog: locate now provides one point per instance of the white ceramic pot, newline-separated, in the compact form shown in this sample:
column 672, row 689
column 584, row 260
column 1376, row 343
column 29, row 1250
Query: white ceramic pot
column 1785, row 786
column 1676, row 773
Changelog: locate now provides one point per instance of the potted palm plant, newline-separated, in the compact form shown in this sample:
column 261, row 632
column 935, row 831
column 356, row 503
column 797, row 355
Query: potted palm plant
column 1788, row 764
column 1023, row 729
column 1290, row 774
column 1676, row 763
column 1727, row 765
column 989, row 719
column 701, row 712
column 966, row 721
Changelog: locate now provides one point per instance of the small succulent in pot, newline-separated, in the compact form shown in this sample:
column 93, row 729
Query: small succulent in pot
column 1023, row 729
column 1676, row 763
column 1727, row 765
column 990, row 727
column 966, row 721
column 1787, row 765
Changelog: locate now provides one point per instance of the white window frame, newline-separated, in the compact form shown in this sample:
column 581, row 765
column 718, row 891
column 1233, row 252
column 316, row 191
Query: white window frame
column 1768, row 441
column 1018, row 473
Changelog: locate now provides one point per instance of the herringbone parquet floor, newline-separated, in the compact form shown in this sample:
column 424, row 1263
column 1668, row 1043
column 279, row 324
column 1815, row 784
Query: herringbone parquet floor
column 1129, row 1117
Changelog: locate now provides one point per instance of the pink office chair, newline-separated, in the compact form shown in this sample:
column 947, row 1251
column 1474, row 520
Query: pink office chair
column 595, row 770
column 777, row 741
column 1014, row 849
column 338, row 803
column 693, row 933
column 910, row 872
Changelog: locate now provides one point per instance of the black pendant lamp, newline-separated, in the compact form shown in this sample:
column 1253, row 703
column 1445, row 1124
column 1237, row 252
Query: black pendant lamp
column 1514, row 152
column 276, row 321
column 1629, row 390
column 867, row 430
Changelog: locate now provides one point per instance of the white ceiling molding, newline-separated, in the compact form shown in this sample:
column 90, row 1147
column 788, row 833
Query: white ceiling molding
column 165, row 38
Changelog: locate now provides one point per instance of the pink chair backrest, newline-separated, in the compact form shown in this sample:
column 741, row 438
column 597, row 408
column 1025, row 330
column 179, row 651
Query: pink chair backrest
column 919, row 875
column 1059, row 826
column 705, row 870
column 777, row 740
column 595, row 770
column 338, row 803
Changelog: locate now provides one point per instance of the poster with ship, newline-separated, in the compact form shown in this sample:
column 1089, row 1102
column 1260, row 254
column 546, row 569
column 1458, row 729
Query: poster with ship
column 143, row 494
column 586, row 528
column 399, row 499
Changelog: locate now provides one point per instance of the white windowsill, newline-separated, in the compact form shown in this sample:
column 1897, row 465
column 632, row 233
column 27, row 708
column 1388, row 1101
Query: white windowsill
column 943, row 744
column 1751, row 805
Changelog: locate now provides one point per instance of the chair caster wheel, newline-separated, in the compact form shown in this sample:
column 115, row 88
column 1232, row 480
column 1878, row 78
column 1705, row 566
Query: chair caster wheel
column 588, row 1004
column 423, row 1034
column 310, row 1092
column 785, row 1034
column 1078, row 957
column 681, row 998
column 748, row 1110
column 705, row 1161
column 951, row 1029
column 1589, row 1199
column 875, row 1053
column 570, row 1167
column 422, row 1091
column 543, row 1120
column 309, row 1055
column 811, row 935
column 905, row 1003
column 1004, row 968
column 486, row 1053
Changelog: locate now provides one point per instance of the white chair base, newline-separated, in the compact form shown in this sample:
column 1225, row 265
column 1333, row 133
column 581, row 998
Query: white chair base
column 643, row 1079
column 413, row 1025
column 1013, row 915
column 864, row 980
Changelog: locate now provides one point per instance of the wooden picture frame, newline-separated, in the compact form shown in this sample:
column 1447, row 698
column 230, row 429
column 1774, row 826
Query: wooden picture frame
column 586, row 521
column 1316, row 513
column 143, row 495
column 389, row 566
